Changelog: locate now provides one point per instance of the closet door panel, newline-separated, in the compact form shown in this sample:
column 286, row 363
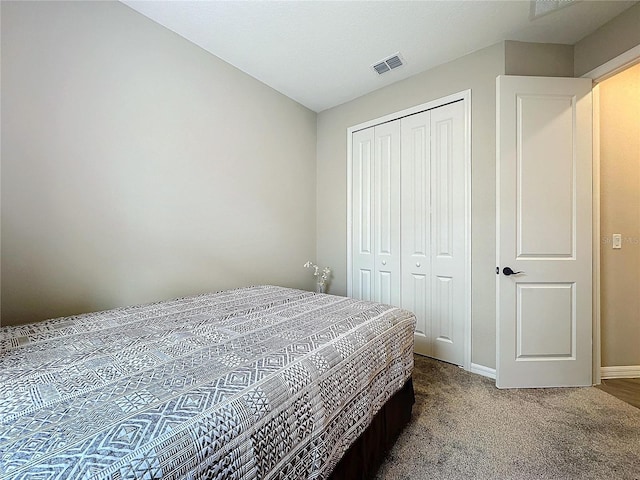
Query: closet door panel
column 443, row 310
column 447, row 231
column 415, row 221
column 362, row 234
column 387, row 213
column 443, row 160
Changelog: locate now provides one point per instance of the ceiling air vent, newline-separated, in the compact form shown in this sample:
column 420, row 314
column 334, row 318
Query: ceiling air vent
column 540, row 8
column 387, row 64
column 381, row 68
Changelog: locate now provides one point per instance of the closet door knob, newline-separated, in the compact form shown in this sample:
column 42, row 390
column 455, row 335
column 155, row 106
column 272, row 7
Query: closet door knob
column 384, row 262
column 417, row 264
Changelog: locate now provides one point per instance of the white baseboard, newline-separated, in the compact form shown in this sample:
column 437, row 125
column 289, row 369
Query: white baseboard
column 622, row 371
column 482, row 370
column 625, row 371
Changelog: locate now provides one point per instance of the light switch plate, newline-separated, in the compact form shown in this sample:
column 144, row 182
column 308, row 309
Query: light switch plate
column 617, row 240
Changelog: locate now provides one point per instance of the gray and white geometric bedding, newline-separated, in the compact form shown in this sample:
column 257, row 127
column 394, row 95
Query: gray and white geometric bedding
column 259, row 382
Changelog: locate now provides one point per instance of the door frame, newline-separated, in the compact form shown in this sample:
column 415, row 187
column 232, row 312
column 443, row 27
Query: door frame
column 598, row 74
column 465, row 97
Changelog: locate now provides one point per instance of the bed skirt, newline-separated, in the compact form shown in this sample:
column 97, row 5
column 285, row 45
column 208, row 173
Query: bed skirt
column 364, row 457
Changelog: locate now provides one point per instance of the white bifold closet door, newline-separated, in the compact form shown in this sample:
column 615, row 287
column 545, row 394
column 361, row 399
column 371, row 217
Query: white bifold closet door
column 433, row 229
column 376, row 207
column 408, row 223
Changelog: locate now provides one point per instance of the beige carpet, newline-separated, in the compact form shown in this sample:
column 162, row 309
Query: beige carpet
column 463, row 427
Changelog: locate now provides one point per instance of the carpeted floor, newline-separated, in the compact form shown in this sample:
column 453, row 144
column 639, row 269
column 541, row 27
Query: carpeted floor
column 463, row 427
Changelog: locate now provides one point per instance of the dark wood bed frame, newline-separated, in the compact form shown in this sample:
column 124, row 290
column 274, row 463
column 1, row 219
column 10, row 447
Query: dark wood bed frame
column 364, row 457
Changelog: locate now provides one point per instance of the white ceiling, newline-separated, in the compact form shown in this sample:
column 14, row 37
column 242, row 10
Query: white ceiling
column 320, row 53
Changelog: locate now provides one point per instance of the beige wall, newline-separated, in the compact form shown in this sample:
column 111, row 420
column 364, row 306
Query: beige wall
column 612, row 39
column 137, row 167
column 620, row 213
column 477, row 72
column 538, row 59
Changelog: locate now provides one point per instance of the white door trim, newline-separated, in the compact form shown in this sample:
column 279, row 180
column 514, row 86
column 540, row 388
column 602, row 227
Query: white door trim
column 614, row 65
column 465, row 96
column 598, row 74
column 597, row 361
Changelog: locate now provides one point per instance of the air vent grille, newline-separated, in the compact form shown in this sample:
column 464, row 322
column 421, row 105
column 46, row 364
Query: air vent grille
column 387, row 64
column 540, row 8
column 381, row 67
column 394, row 62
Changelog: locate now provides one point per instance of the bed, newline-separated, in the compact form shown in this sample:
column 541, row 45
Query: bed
column 257, row 382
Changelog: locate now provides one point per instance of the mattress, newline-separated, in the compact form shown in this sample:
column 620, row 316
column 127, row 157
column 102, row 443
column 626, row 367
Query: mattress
column 258, row 382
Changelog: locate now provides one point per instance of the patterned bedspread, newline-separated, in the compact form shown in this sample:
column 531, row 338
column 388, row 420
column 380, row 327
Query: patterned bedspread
column 258, row 382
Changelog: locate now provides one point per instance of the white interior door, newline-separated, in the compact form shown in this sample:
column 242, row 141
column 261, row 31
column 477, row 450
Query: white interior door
column 387, row 213
column 409, row 220
column 433, row 229
column 375, row 234
column 416, row 225
column 544, row 230
column 362, row 198
column 448, row 228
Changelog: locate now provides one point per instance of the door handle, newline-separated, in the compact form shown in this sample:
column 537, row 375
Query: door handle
column 507, row 271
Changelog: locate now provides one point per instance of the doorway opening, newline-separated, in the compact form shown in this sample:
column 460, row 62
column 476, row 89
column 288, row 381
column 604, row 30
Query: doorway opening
column 617, row 220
